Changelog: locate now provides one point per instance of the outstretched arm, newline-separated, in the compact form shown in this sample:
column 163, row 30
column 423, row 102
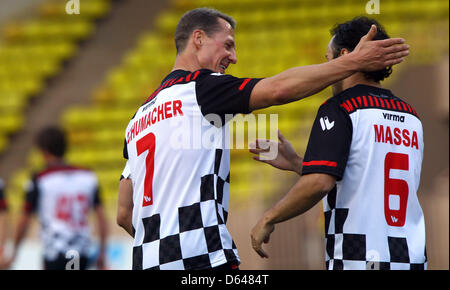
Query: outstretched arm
column 308, row 191
column 300, row 82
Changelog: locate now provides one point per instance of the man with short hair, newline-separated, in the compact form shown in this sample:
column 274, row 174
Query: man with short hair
column 181, row 193
column 62, row 195
column 363, row 158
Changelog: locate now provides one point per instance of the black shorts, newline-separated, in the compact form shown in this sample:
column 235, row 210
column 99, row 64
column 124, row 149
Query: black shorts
column 61, row 263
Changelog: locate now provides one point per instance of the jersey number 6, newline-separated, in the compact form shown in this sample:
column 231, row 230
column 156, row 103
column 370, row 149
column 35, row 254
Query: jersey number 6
column 147, row 143
column 396, row 191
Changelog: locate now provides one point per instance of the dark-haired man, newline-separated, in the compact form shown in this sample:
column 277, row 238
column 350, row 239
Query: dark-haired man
column 62, row 195
column 364, row 159
column 181, row 191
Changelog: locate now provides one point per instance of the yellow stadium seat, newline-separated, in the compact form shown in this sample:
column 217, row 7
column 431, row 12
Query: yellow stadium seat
column 3, row 141
column 166, row 22
column 11, row 123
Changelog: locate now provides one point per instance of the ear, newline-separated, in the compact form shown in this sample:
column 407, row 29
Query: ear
column 198, row 37
column 344, row 51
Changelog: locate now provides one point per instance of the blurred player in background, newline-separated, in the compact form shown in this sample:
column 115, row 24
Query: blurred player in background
column 364, row 159
column 62, row 196
column 181, row 195
column 3, row 217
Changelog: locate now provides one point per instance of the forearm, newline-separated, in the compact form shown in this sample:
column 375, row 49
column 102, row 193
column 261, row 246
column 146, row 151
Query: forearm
column 124, row 219
column 295, row 203
column 300, row 82
column 127, row 226
column 129, row 230
column 306, row 193
column 304, row 81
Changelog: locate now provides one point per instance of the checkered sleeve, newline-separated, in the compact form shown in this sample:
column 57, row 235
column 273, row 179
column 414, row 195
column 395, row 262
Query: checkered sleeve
column 329, row 143
column 199, row 240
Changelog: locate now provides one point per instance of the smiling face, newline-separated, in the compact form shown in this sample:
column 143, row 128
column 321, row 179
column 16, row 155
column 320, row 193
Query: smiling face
column 218, row 50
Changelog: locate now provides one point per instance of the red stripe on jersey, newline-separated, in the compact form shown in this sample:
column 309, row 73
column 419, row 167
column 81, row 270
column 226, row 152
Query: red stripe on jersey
column 349, row 105
column 166, row 83
column 399, row 107
column 188, row 77
column 376, row 102
column 370, row 100
column 409, row 107
column 381, row 103
column 404, row 107
column 179, row 80
column 320, row 162
column 354, row 103
column 365, row 101
column 359, row 101
column 157, row 91
column 244, row 84
column 393, row 104
column 196, row 75
column 387, row 103
column 344, row 105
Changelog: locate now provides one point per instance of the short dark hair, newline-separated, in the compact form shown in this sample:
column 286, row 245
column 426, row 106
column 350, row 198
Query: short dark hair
column 206, row 19
column 348, row 34
column 52, row 140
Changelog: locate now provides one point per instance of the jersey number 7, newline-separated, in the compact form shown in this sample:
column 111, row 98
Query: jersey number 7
column 396, row 191
column 147, row 143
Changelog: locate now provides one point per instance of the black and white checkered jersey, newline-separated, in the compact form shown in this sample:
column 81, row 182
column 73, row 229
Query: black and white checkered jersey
column 177, row 146
column 62, row 197
column 3, row 204
column 372, row 142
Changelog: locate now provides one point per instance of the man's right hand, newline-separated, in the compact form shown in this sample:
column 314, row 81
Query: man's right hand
column 373, row 55
column 286, row 159
column 261, row 234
